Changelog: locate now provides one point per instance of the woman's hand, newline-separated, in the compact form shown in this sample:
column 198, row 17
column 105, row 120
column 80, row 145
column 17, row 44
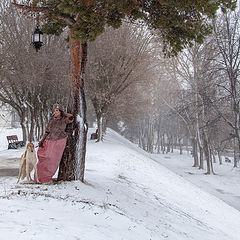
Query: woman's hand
column 71, row 117
column 68, row 115
column 40, row 144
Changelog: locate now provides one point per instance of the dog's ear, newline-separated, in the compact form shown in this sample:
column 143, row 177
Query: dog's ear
column 30, row 145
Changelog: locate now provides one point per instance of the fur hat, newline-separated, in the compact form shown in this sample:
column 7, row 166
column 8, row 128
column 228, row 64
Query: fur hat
column 57, row 106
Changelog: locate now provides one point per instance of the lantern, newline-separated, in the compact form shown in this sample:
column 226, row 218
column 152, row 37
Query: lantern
column 37, row 38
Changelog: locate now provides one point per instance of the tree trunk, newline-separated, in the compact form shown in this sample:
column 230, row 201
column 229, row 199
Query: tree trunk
column 201, row 157
column 213, row 152
column 206, row 153
column 163, row 146
column 219, row 157
column 168, row 143
column 142, row 136
column 172, row 145
column 27, row 128
column 187, row 143
column 205, row 139
column 200, row 146
column 149, row 136
column 41, row 125
column 37, row 129
column 206, row 149
column 158, row 141
column 180, row 145
column 236, row 151
column 32, row 125
column 24, row 130
column 100, row 126
column 195, row 152
column 72, row 165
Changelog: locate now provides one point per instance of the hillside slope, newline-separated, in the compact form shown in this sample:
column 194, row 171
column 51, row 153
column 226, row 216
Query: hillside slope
column 126, row 196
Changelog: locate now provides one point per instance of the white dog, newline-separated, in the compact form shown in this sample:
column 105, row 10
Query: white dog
column 28, row 163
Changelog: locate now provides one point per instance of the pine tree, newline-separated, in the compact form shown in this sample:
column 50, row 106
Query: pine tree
column 179, row 23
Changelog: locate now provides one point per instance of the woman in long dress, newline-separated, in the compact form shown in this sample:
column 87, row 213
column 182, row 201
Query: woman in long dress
column 52, row 144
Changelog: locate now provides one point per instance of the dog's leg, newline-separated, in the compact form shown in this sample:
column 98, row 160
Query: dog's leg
column 35, row 168
column 30, row 177
column 36, row 173
column 28, row 171
column 20, row 172
column 31, row 167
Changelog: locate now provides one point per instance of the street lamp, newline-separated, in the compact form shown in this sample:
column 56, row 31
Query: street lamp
column 37, row 38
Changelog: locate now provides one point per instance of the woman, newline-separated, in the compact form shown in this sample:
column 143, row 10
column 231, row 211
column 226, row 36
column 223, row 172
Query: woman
column 52, row 145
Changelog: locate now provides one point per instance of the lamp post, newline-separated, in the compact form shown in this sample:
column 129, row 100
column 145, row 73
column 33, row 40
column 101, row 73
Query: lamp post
column 37, row 38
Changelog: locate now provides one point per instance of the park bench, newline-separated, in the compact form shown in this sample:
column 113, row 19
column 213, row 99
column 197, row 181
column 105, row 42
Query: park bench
column 94, row 135
column 227, row 159
column 14, row 143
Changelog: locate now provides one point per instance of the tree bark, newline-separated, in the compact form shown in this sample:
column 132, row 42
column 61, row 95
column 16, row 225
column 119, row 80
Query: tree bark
column 236, row 152
column 32, row 125
column 72, row 166
column 219, row 157
column 200, row 157
column 206, row 144
column 195, row 152
column 180, row 145
column 163, row 145
column 99, row 127
column 158, row 141
column 206, row 152
column 100, row 116
column 24, row 130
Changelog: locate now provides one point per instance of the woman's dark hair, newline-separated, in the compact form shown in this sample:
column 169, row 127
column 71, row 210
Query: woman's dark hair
column 61, row 113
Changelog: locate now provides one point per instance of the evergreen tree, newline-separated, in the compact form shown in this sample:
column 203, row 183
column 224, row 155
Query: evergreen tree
column 179, row 23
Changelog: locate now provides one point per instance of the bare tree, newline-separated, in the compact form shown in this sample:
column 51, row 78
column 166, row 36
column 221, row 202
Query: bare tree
column 227, row 35
column 116, row 60
column 30, row 82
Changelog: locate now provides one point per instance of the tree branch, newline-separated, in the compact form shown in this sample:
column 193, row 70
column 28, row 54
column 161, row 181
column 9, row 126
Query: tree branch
column 45, row 10
column 68, row 19
column 31, row 8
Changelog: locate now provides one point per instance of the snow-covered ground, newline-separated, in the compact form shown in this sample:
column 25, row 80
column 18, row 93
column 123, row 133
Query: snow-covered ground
column 224, row 184
column 128, row 194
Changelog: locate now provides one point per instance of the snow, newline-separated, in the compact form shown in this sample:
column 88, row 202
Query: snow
column 80, row 120
column 224, row 184
column 128, row 195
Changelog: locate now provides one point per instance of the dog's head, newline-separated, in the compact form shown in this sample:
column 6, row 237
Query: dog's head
column 30, row 147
